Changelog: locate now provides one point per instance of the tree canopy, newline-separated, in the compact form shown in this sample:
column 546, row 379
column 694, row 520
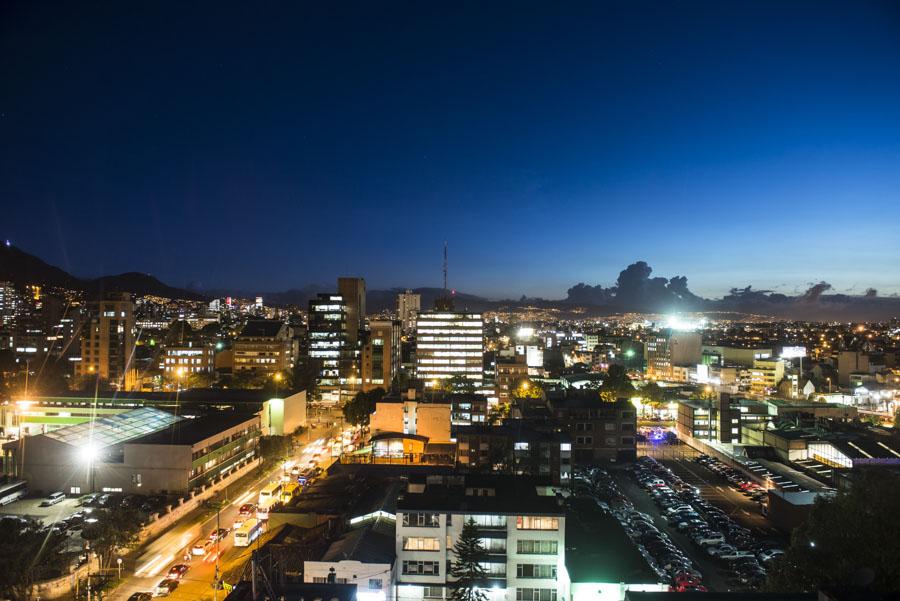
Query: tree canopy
column 360, row 407
column 850, row 541
column 29, row 554
column 115, row 530
column 617, row 383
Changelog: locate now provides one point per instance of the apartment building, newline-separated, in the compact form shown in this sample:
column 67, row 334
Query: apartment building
column 600, row 431
column 521, row 523
column 107, row 343
column 263, row 347
column 381, row 354
column 765, row 375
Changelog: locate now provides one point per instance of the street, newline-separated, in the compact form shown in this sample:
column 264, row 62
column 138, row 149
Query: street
column 154, row 560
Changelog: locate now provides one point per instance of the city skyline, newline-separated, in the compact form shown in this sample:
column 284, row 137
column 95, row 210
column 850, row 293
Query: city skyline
column 751, row 156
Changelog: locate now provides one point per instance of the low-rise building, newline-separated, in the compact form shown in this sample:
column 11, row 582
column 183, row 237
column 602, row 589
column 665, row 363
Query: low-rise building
column 146, row 451
column 522, row 526
column 601, row 432
column 430, row 420
column 515, row 448
column 263, row 347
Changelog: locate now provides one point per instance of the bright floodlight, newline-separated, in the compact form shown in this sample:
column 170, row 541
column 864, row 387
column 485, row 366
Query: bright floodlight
column 88, row 453
column 525, row 332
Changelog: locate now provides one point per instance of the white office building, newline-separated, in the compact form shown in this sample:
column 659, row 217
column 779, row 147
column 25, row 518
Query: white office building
column 450, row 344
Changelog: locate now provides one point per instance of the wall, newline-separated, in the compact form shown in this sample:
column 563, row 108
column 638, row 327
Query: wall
column 355, row 572
column 193, row 502
column 388, row 417
column 433, row 421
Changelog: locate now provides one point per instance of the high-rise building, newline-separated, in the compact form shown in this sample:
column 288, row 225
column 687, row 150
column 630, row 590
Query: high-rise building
column 9, row 300
column 353, row 291
column 670, row 348
column 328, row 347
column 381, row 354
column 107, row 343
column 450, row 344
column 409, row 304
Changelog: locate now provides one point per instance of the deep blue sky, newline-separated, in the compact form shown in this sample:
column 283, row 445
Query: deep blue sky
column 274, row 145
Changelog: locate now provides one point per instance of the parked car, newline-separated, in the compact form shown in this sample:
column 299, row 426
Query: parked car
column 140, row 596
column 53, row 499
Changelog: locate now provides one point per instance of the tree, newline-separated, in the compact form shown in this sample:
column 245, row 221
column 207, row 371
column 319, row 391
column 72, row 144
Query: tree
column 526, row 389
column 114, row 531
column 29, row 554
column 851, row 540
column 360, row 407
column 274, row 449
column 617, row 382
column 467, row 569
column 653, row 393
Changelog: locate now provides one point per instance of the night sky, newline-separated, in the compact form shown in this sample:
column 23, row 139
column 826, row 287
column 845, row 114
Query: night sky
column 277, row 145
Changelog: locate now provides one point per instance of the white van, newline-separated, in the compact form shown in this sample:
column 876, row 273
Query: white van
column 53, row 499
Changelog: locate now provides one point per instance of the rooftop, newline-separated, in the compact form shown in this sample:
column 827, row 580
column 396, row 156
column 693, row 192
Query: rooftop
column 371, row 544
column 498, row 494
column 261, row 328
column 192, row 431
column 598, row 550
column 114, row 429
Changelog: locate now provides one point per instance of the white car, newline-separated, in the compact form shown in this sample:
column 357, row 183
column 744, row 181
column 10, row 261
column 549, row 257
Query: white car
column 770, row 554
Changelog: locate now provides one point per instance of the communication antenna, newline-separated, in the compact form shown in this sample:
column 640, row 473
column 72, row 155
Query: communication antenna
column 445, row 267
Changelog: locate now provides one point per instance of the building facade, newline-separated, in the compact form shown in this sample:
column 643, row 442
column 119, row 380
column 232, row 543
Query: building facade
column 601, row 432
column 107, row 342
column 263, row 347
column 181, row 361
column 353, row 291
column 380, row 356
column 669, row 348
column 409, row 305
column 450, row 344
column 329, row 347
column 522, row 528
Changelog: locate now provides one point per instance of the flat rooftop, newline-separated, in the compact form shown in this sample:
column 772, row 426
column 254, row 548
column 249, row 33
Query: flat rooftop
column 598, row 550
column 511, row 495
column 192, row 431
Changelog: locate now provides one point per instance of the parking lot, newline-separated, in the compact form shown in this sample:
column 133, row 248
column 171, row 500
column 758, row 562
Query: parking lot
column 729, row 556
column 31, row 508
column 714, row 487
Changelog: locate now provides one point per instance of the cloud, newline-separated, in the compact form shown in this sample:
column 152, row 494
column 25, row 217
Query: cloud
column 815, row 291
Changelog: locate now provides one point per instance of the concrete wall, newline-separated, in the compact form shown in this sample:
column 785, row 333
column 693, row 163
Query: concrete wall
column 433, row 421
column 49, row 465
column 387, row 417
column 295, row 411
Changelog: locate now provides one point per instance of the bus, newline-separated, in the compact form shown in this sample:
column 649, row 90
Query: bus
column 10, row 491
column 247, row 533
column 289, row 491
column 270, row 494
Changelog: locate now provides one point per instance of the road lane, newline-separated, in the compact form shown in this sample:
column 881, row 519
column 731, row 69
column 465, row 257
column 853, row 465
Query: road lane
column 170, row 548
